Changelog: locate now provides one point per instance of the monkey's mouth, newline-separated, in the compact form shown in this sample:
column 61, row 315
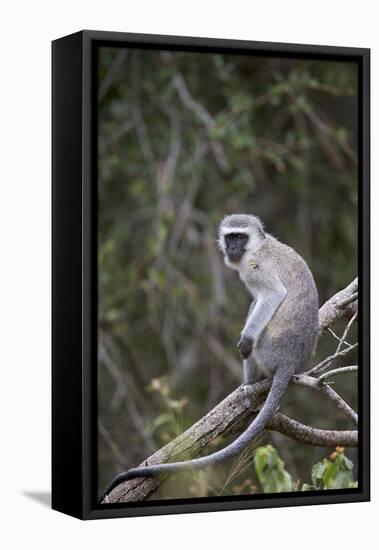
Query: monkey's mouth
column 235, row 255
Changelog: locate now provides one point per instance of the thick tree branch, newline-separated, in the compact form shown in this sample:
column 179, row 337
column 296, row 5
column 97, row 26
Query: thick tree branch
column 343, row 303
column 312, row 436
column 237, row 408
column 222, row 420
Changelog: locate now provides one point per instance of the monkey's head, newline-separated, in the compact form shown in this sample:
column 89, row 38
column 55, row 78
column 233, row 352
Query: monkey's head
column 238, row 234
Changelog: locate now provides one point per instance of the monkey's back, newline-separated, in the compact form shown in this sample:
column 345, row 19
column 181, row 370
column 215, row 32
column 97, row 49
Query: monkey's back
column 291, row 335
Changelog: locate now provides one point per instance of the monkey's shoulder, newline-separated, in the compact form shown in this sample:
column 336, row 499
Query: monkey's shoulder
column 291, row 268
column 282, row 254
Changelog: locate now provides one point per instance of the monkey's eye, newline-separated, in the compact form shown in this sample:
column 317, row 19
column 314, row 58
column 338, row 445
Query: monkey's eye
column 239, row 236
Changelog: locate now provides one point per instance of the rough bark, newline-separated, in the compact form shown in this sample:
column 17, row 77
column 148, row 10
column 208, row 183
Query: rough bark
column 312, row 436
column 341, row 304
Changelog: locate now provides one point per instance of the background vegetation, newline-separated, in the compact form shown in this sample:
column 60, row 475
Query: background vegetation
column 185, row 138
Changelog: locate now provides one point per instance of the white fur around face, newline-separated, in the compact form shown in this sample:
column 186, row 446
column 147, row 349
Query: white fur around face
column 255, row 241
column 227, row 230
column 230, row 264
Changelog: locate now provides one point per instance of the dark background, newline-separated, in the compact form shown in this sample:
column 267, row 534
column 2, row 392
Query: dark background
column 185, row 138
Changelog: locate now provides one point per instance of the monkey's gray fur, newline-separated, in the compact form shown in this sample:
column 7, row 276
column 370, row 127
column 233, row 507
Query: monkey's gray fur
column 280, row 333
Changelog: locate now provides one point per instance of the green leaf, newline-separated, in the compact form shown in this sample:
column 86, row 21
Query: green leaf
column 333, row 473
column 318, row 472
column 271, row 472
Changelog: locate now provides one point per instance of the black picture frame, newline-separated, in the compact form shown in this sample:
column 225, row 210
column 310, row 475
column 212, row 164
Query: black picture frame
column 74, row 273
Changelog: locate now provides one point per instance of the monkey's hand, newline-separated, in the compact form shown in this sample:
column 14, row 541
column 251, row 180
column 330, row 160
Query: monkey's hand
column 245, row 346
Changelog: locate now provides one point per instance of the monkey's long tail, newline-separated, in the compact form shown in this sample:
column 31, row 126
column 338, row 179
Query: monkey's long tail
column 278, row 387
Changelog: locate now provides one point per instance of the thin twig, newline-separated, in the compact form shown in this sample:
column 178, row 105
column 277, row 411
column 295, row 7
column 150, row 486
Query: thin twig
column 205, row 117
column 338, row 338
column 121, row 385
column 174, row 146
column 321, row 367
column 346, row 331
column 142, row 132
column 334, row 372
column 112, row 73
column 114, row 448
column 315, row 384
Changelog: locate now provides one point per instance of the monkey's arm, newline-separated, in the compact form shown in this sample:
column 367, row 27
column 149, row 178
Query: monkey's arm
column 267, row 302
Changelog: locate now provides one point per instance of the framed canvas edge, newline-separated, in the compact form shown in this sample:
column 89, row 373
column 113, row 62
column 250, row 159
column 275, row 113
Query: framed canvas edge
column 67, row 318
column 177, row 41
column 87, row 493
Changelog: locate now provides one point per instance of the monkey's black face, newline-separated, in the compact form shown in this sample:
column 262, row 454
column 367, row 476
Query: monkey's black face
column 235, row 244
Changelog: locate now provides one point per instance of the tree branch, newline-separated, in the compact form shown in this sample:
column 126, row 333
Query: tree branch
column 335, row 372
column 325, row 364
column 114, row 69
column 313, row 436
column 236, row 409
column 343, row 303
column 225, row 418
column 320, row 386
column 205, row 117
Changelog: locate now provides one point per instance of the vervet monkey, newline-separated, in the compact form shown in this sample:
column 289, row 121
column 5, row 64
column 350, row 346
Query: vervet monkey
column 280, row 333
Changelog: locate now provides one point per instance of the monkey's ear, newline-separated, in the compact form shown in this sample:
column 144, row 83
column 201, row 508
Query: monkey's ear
column 261, row 232
column 260, row 226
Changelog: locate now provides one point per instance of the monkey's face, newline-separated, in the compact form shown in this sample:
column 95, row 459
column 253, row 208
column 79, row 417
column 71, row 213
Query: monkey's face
column 235, row 246
column 239, row 234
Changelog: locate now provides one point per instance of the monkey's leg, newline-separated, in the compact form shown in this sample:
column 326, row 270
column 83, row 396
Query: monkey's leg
column 251, row 375
column 251, row 372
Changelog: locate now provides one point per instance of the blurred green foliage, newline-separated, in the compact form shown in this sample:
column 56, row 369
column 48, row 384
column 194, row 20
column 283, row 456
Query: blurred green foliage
column 271, row 471
column 183, row 139
column 334, row 472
